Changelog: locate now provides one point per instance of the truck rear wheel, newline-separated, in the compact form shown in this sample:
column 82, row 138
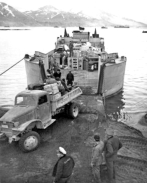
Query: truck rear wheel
column 29, row 141
column 73, row 110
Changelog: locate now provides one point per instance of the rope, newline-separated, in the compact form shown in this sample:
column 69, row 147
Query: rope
column 11, row 67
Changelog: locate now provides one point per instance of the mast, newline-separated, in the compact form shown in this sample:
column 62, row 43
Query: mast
column 65, row 33
column 95, row 32
column 99, row 71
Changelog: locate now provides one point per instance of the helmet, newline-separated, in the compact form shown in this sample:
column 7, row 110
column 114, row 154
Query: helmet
column 97, row 137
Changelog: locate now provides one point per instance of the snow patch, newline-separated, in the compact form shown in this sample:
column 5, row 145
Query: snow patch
column 9, row 11
column 1, row 12
column 50, row 9
column 36, row 14
column 55, row 15
column 29, row 11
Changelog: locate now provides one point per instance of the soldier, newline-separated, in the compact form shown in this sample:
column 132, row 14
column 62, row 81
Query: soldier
column 97, row 157
column 70, row 78
column 63, row 168
column 112, row 145
column 57, row 75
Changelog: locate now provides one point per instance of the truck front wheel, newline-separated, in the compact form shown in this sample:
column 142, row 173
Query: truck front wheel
column 73, row 110
column 29, row 141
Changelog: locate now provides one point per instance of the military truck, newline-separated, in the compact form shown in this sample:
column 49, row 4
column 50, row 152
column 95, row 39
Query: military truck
column 32, row 110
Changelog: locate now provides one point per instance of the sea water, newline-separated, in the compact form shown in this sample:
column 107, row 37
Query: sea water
column 128, row 106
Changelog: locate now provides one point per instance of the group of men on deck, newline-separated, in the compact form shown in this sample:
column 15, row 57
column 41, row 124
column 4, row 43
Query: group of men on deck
column 62, row 84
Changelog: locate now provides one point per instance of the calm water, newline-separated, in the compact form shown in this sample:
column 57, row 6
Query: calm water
column 131, row 43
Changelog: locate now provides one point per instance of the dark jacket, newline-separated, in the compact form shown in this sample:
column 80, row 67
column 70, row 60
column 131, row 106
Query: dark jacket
column 57, row 75
column 112, row 145
column 70, row 77
column 63, row 168
column 65, row 86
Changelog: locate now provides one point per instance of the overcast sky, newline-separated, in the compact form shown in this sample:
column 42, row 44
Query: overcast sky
column 135, row 9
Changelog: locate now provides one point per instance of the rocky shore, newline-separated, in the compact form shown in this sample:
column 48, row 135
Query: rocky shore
column 76, row 136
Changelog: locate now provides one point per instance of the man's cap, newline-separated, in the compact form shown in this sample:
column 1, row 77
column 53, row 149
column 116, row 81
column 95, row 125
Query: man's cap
column 110, row 132
column 96, row 137
column 62, row 150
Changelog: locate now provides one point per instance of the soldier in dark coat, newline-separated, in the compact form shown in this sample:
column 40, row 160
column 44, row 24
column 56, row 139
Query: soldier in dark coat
column 70, row 78
column 112, row 145
column 63, row 168
column 57, row 75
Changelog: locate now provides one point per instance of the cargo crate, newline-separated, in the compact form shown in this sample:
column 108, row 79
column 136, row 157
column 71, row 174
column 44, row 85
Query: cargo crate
column 54, row 97
column 51, row 88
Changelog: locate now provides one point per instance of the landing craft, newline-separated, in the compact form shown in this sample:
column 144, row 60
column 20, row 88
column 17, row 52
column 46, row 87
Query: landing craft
column 95, row 70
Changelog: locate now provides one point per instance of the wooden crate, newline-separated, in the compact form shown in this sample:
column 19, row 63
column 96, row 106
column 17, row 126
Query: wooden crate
column 54, row 97
column 51, row 88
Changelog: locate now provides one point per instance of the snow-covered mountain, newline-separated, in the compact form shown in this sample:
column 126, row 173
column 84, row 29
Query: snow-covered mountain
column 10, row 16
column 51, row 16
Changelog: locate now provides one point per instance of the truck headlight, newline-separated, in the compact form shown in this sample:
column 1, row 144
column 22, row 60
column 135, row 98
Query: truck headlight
column 16, row 124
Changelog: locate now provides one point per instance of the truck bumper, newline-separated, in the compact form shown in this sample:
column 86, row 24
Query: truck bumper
column 13, row 138
column 2, row 135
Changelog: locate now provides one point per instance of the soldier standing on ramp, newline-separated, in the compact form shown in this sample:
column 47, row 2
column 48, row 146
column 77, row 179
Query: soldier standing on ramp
column 97, row 157
column 112, row 145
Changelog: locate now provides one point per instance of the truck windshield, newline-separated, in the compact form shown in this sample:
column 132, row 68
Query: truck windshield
column 25, row 100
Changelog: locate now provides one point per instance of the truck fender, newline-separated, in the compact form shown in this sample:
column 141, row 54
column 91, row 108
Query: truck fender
column 29, row 125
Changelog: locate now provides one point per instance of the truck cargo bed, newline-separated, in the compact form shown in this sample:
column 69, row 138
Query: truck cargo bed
column 65, row 99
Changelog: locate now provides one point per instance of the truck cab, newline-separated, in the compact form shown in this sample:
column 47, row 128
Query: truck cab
column 38, row 100
column 34, row 109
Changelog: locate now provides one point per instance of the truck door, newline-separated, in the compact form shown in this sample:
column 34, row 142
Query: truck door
column 44, row 109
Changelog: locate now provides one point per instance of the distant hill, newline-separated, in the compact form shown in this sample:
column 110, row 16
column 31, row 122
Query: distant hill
column 9, row 16
column 53, row 17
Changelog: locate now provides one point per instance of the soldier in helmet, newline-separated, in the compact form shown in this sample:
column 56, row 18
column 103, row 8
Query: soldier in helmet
column 97, row 157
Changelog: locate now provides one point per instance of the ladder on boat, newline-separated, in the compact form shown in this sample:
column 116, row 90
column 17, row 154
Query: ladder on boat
column 75, row 63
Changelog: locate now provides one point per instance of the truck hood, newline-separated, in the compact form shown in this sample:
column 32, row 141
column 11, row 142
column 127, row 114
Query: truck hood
column 16, row 112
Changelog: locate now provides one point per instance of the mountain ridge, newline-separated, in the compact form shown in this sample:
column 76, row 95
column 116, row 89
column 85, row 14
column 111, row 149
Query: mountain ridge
column 51, row 16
